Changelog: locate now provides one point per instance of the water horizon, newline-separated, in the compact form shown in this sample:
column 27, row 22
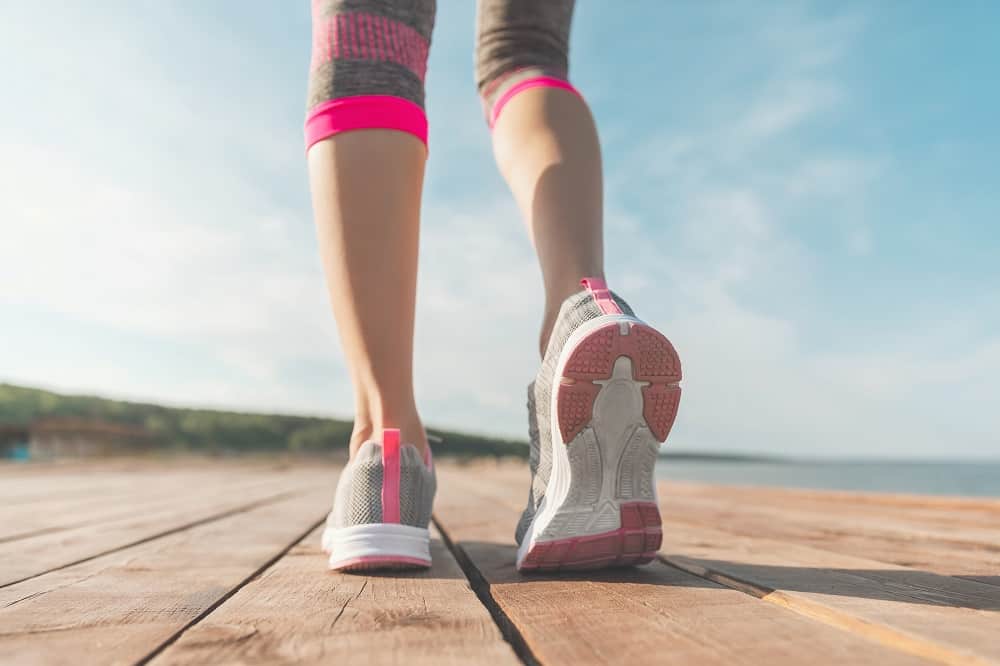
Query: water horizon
column 969, row 478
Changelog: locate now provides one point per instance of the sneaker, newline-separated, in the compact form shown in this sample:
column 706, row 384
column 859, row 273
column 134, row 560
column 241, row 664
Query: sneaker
column 382, row 508
column 603, row 401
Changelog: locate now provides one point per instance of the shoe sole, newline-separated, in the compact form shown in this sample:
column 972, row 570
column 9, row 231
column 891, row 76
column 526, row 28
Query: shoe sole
column 377, row 546
column 614, row 402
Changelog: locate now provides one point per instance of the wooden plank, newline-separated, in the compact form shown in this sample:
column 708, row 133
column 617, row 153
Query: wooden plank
column 29, row 483
column 297, row 611
column 928, row 508
column 32, row 556
column 962, row 551
column 101, row 505
column 941, row 517
column 121, row 607
column 51, row 497
column 654, row 614
column 943, row 618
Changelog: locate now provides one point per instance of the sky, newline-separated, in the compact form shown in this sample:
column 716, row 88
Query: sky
column 803, row 196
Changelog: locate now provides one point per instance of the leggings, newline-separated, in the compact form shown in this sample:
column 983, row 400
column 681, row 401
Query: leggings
column 369, row 58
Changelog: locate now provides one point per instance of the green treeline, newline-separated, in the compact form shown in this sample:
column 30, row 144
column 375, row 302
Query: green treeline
column 216, row 431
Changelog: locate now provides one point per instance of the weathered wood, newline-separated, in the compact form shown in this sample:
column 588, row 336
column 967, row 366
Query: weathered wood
column 654, row 614
column 32, row 556
column 43, row 498
column 941, row 517
column 298, row 612
column 910, row 538
column 120, row 607
column 104, row 505
column 754, row 575
column 942, row 509
column 27, row 484
column 938, row 617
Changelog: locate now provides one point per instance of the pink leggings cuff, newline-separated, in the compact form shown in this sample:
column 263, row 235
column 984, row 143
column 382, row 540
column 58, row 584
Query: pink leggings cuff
column 520, row 86
column 365, row 112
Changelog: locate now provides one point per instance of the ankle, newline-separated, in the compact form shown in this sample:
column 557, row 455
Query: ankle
column 556, row 293
column 548, row 323
column 362, row 432
column 410, row 426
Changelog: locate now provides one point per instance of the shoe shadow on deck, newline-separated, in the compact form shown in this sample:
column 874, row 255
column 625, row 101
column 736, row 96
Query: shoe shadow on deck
column 493, row 563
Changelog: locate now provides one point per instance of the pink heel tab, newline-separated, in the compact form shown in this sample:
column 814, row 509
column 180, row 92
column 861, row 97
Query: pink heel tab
column 598, row 288
column 390, row 475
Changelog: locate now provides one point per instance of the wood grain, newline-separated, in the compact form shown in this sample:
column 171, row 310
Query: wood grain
column 650, row 615
column 297, row 612
column 973, row 553
column 120, row 607
column 103, row 504
column 44, row 498
column 36, row 555
column 752, row 575
column 940, row 617
column 941, row 517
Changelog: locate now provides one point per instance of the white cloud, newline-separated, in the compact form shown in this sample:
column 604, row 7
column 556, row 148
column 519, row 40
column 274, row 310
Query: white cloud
column 724, row 265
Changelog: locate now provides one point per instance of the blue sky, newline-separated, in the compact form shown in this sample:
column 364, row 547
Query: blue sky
column 804, row 198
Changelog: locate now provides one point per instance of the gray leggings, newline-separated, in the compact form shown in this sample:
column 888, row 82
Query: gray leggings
column 369, row 58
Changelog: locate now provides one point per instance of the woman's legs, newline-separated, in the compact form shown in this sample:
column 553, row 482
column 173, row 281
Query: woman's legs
column 366, row 134
column 544, row 140
column 368, row 240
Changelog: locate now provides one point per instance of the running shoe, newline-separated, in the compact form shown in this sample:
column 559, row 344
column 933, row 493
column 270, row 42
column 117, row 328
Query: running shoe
column 382, row 508
column 603, row 401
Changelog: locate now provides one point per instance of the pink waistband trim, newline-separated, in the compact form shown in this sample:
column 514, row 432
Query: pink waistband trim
column 390, row 475
column 598, row 288
column 365, row 112
column 536, row 82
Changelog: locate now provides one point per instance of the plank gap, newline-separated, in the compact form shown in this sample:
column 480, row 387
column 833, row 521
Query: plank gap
column 888, row 636
column 228, row 595
column 481, row 587
column 159, row 535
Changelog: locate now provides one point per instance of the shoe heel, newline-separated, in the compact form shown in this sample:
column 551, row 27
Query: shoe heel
column 377, row 546
column 615, row 403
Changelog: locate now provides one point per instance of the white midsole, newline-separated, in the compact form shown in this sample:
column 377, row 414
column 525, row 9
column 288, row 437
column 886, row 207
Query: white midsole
column 560, row 476
column 377, row 540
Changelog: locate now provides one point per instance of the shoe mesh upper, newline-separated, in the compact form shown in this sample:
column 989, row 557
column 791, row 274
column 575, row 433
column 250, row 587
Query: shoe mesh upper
column 417, row 486
column 358, row 499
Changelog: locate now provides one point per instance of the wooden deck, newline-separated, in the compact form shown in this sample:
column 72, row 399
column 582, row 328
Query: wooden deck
column 207, row 562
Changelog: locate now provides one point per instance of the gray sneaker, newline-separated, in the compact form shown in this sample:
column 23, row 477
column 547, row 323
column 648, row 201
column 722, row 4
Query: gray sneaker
column 382, row 508
column 601, row 404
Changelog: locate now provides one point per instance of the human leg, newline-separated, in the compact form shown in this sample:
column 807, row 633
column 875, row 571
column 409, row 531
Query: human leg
column 606, row 394
column 365, row 136
column 544, row 140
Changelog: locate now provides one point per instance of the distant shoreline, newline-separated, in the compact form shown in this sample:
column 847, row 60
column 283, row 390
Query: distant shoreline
column 725, row 457
column 216, row 431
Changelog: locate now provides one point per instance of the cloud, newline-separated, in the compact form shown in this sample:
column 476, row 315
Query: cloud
column 725, row 244
column 155, row 215
column 138, row 198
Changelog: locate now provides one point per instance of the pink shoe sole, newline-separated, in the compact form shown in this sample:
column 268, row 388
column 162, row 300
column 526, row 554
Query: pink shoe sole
column 635, row 542
column 654, row 360
column 379, row 563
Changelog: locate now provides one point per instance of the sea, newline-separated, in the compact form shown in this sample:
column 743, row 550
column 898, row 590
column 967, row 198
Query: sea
column 978, row 479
